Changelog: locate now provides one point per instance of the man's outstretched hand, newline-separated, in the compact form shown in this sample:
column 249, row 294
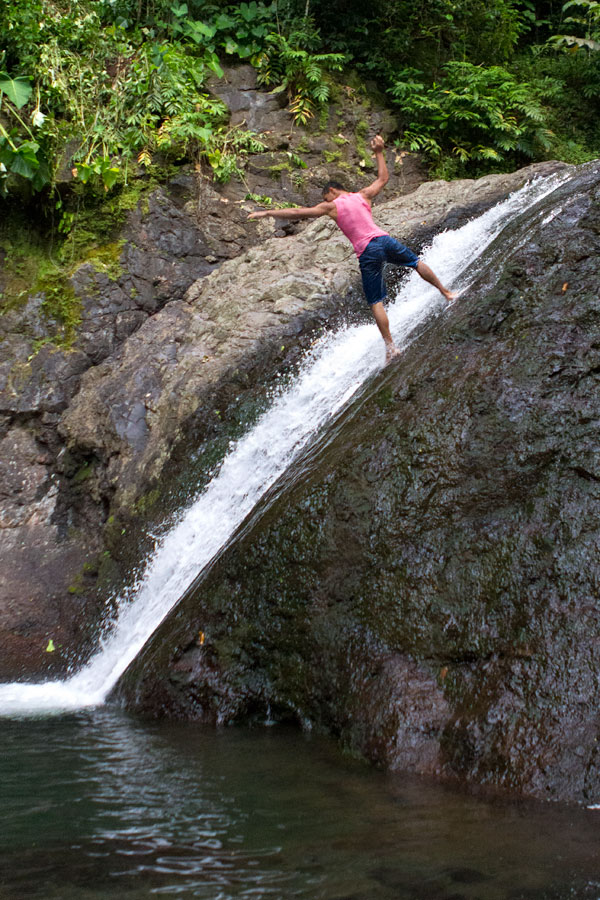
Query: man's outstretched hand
column 377, row 144
column 259, row 214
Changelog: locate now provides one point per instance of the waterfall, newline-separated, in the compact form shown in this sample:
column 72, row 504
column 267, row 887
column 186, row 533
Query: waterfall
column 331, row 373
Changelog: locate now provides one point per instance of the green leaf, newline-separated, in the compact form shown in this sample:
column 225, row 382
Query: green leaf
column 203, row 134
column 216, row 68
column 18, row 90
column 207, row 31
column 24, row 163
column 83, row 172
column 223, row 22
column 7, row 153
column 109, row 177
column 42, row 176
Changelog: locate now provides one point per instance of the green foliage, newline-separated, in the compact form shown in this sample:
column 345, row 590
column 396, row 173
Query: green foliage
column 120, row 95
column 227, row 148
column 238, row 31
column 160, row 104
column 287, row 64
column 587, row 19
column 126, row 80
column 289, row 165
column 392, row 41
column 21, row 157
column 385, row 34
column 20, row 153
column 115, row 85
column 559, row 81
column 101, row 167
column 475, row 113
column 268, row 202
column 261, row 199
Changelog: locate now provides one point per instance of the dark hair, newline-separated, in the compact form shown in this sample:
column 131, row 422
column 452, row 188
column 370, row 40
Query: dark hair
column 333, row 184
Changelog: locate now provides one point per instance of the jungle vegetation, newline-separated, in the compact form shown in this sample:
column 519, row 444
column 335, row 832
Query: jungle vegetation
column 107, row 87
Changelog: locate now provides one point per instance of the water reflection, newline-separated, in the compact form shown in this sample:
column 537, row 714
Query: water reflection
column 102, row 805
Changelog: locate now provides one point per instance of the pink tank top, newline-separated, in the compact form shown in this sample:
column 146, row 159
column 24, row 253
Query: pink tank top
column 355, row 220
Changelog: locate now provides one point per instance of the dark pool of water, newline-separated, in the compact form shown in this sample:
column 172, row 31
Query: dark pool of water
column 103, row 805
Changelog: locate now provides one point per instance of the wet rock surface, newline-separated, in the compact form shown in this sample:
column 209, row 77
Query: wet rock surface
column 134, row 408
column 182, row 330
column 429, row 589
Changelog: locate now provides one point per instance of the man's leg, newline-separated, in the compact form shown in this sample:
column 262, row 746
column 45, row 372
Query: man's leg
column 428, row 275
column 383, row 323
column 371, row 262
column 397, row 253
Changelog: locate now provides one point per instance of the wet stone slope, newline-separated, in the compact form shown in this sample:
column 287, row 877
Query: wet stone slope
column 97, row 438
column 429, row 589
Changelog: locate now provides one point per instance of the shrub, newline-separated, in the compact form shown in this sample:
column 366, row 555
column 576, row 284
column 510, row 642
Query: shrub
column 475, row 113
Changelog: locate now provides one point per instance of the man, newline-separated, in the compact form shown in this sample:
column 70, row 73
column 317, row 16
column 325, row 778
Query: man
column 374, row 247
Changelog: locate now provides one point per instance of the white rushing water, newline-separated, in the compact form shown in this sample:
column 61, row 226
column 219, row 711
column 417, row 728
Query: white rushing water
column 332, row 372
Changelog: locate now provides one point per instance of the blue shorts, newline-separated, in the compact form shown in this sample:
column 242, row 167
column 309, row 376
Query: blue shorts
column 378, row 251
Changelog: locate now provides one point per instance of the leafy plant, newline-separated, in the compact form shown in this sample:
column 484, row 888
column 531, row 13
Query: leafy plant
column 299, row 72
column 559, row 81
column 160, row 104
column 103, row 168
column 237, row 31
column 263, row 200
column 18, row 90
column 228, row 148
column 115, row 83
column 20, row 156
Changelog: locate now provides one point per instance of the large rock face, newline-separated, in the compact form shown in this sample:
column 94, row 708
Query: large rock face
column 154, row 371
column 430, row 589
column 234, row 325
column 77, row 474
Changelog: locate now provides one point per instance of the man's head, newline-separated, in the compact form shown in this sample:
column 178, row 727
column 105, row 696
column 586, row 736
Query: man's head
column 332, row 190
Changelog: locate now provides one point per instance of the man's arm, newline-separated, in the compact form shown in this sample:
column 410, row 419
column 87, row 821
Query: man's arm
column 302, row 212
column 382, row 171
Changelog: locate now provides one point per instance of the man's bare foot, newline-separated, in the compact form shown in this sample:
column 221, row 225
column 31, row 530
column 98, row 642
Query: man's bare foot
column 451, row 296
column 390, row 352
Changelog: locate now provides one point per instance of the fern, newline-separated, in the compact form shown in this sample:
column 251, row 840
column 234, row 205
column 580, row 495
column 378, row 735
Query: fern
column 287, row 65
column 475, row 113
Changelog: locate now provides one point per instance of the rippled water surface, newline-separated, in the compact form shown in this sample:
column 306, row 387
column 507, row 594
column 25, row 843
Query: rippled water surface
column 99, row 804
